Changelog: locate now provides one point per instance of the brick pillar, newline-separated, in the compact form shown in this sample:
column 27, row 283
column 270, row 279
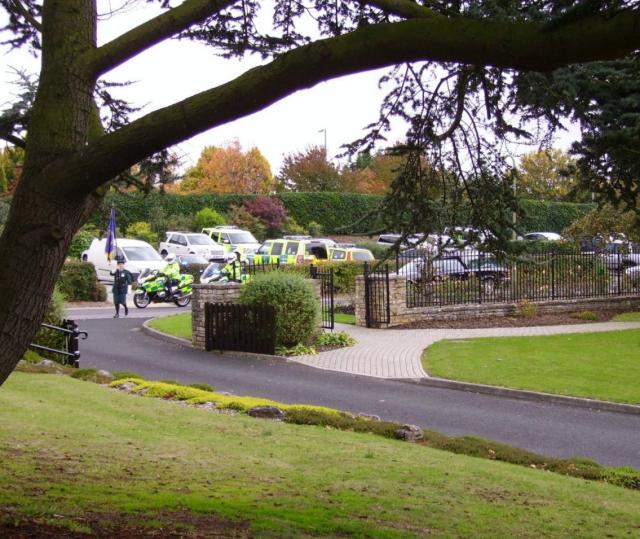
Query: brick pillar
column 208, row 293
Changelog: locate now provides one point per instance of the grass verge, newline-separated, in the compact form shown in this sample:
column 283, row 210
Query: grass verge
column 627, row 317
column 165, row 468
column 178, row 325
column 601, row 366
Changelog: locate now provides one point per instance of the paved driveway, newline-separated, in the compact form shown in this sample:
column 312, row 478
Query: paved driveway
column 551, row 429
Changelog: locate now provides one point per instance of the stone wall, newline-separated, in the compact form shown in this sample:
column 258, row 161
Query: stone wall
column 401, row 314
column 208, row 293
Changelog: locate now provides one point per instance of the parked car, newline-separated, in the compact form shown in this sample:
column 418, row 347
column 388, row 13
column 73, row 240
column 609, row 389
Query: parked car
column 291, row 251
column 350, row 254
column 232, row 238
column 542, row 236
column 185, row 243
column 456, row 268
column 138, row 256
column 620, row 255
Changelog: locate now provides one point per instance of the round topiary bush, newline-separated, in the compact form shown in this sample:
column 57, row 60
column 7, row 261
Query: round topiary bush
column 297, row 309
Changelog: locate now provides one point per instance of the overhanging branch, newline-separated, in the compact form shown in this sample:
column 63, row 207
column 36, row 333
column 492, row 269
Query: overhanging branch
column 153, row 32
column 517, row 45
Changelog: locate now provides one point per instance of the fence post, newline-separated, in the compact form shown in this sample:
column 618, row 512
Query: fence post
column 478, row 277
column 553, row 275
column 619, row 271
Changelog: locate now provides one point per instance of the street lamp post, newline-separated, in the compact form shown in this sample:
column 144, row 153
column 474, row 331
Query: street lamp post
column 325, row 140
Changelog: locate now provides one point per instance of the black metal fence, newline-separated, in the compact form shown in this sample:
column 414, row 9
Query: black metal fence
column 325, row 275
column 243, row 328
column 243, row 271
column 376, row 293
column 471, row 277
column 71, row 335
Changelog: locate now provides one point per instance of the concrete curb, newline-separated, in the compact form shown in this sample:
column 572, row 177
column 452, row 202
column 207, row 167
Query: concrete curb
column 184, row 342
column 521, row 394
column 603, row 406
column 164, row 336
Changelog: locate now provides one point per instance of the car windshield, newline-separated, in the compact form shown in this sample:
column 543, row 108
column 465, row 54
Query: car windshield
column 199, row 239
column 212, row 269
column 141, row 253
column 361, row 256
column 242, row 237
column 264, row 248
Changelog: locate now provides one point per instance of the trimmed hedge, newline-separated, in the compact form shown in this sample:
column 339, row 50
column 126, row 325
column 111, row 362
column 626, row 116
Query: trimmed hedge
column 541, row 216
column 335, row 212
column 78, row 282
column 331, row 210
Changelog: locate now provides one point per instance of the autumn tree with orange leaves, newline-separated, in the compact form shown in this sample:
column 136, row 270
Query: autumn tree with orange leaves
column 229, row 169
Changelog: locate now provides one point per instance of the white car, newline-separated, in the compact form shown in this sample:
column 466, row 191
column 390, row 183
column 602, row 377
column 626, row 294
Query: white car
column 138, row 255
column 231, row 238
column 191, row 243
column 542, row 236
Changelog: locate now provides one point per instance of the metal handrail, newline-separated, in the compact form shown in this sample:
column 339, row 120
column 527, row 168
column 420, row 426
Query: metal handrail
column 70, row 329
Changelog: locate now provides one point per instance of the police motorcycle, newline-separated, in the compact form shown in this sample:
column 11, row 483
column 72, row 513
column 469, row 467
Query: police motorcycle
column 152, row 288
column 235, row 270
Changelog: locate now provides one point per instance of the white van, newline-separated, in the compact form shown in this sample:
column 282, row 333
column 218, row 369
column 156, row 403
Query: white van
column 138, row 255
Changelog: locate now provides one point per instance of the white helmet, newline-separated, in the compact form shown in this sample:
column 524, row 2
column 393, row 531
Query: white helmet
column 171, row 257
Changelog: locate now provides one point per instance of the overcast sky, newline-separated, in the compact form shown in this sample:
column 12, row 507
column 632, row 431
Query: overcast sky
column 174, row 70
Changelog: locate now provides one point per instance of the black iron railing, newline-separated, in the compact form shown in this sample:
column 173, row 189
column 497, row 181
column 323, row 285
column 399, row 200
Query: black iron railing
column 472, row 277
column 72, row 335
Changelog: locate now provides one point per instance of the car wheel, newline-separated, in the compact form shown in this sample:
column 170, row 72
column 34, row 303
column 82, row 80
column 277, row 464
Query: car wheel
column 164, row 254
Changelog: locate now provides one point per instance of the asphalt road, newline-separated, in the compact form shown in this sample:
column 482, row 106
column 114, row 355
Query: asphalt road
column 549, row 429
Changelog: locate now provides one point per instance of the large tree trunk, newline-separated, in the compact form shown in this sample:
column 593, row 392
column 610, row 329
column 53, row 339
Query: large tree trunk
column 43, row 218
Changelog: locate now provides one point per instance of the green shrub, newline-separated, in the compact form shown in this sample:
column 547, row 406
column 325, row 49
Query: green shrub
column 584, row 315
column 31, row 356
column 527, row 309
column 297, row 310
column 335, row 339
column 48, row 337
column 315, row 229
column 82, row 240
column 141, row 230
column 78, row 282
column 208, row 217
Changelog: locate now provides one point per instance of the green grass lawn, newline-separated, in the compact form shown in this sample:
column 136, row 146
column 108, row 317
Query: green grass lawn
column 147, row 462
column 344, row 318
column 178, row 325
column 627, row 317
column 602, row 366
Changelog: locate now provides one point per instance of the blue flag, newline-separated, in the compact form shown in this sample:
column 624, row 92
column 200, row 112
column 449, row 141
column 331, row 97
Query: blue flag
column 110, row 245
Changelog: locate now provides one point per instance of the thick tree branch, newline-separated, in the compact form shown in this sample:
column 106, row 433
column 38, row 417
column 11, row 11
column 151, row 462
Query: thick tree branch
column 405, row 8
column 153, row 32
column 28, row 16
column 12, row 139
column 517, row 45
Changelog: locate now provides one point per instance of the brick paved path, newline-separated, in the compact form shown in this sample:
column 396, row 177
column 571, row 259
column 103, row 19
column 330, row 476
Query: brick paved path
column 396, row 353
